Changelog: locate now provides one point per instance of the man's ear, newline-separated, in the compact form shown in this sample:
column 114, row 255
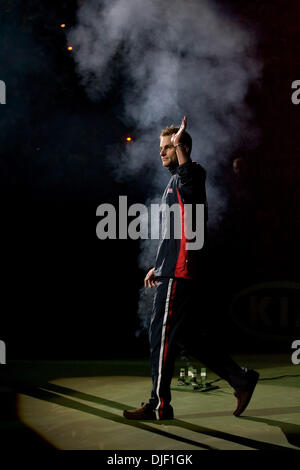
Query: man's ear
column 187, row 149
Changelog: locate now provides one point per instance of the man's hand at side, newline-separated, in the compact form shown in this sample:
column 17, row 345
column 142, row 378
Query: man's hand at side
column 150, row 280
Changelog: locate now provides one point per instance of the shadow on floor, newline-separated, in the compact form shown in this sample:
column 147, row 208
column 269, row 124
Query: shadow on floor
column 14, row 435
column 257, row 412
column 291, row 431
column 50, row 393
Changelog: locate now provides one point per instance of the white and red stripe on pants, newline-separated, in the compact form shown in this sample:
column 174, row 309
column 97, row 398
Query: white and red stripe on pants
column 173, row 322
column 168, row 314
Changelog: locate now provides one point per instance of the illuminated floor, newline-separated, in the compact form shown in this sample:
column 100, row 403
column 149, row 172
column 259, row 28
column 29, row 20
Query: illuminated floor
column 81, row 408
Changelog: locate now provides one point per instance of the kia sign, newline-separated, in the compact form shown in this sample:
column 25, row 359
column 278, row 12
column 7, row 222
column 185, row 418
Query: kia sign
column 269, row 311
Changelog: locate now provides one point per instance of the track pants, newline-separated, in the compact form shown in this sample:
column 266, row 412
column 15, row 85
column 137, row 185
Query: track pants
column 173, row 324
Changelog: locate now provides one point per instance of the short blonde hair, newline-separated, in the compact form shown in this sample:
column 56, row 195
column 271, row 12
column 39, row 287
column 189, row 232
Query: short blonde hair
column 186, row 138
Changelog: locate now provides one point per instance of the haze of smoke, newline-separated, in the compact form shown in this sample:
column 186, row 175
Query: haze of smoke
column 177, row 58
column 146, row 261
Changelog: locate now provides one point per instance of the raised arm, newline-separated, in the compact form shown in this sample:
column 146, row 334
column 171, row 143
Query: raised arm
column 181, row 149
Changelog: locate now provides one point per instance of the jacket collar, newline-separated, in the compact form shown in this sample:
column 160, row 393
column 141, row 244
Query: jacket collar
column 173, row 169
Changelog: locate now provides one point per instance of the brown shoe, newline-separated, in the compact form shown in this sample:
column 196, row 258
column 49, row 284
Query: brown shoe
column 244, row 397
column 146, row 412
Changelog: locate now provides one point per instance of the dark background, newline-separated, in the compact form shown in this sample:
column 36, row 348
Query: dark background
column 66, row 294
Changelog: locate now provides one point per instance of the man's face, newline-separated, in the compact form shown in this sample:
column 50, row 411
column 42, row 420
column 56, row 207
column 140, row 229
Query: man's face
column 167, row 152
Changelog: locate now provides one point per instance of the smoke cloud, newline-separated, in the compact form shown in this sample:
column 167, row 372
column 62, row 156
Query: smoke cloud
column 175, row 58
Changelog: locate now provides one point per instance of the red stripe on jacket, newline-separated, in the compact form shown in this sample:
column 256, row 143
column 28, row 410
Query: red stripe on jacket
column 181, row 269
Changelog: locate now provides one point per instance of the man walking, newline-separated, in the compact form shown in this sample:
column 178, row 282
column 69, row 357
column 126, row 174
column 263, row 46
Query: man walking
column 178, row 279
